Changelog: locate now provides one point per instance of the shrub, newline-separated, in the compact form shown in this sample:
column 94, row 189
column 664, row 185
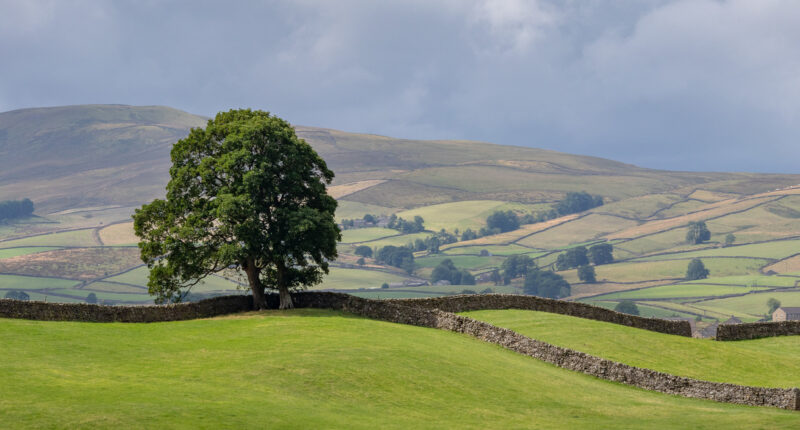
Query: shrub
column 17, row 295
column 364, row 251
column 91, row 298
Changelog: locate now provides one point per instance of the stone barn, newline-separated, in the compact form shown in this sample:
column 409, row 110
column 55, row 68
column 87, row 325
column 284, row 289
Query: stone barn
column 786, row 314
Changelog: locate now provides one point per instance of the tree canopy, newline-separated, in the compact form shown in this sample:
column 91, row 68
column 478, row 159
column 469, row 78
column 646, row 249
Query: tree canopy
column 516, row 265
column 602, row 253
column 571, row 258
column 447, row 270
column 578, row 202
column 698, row 232
column 586, row 274
column 696, row 270
column 503, row 220
column 545, row 283
column 244, row 193
column 10, row 209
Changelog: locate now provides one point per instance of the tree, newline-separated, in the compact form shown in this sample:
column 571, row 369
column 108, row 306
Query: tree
column 384, row 285
column 495, row 277
column 773, row 304
column 729, row 239
column 244, row 193
column 516, row 265
column 698, row 232
column 361, row 261
column 602, row 253
column 586, row 274
column 545, row 284
column 573, row 257
column 696, row 270
column 503, row 220
column 627, row 307
column 363, row 251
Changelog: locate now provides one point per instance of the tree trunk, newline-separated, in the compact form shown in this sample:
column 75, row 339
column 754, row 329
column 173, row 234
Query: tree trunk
column 259, row 299
column 283, row 290
column 286, row 298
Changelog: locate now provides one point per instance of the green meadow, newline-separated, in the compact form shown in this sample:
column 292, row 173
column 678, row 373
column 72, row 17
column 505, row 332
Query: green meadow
column 769, row 362
column 315, row 369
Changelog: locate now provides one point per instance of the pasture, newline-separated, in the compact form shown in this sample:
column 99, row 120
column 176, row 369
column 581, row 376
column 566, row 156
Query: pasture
column 762, row 362
column 326, row 369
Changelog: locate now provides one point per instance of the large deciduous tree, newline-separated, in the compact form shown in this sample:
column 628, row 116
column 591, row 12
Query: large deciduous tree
column 244, row 193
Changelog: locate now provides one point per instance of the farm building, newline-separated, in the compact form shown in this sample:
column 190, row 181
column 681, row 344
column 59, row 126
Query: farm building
column 786, row 314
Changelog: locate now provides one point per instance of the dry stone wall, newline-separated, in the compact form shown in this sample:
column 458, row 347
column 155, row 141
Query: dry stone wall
column 757, row 330
column 476, row 302
column 101, row 313
column 411, row 312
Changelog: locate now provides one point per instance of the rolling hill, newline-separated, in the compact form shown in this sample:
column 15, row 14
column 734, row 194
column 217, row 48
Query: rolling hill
column 88, row 167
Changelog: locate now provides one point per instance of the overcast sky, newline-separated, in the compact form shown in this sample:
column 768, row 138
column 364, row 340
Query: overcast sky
column 689, row 85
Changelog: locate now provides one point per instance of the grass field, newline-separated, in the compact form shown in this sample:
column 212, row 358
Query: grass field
column 773, row 250
column 367, row 234
column 755, row 304
column 16, row 252
column 315, row 369
column 577, row 231
column 68, row 238
column 465, row 214
column 15, row 282
column 73, row 263
column 353, row 279
column 492, row 249
column 118, row 234
column 766, row 362
column 679, row 290
column 401, row 240
column 350, row 210
column 461, row 261
column 633, row 272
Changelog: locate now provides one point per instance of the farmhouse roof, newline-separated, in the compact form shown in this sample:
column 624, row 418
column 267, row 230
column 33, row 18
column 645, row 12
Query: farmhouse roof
column 790, row 310
column 733, row 320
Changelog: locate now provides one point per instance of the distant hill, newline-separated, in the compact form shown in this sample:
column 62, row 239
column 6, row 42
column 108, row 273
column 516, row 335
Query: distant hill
column 96, row 155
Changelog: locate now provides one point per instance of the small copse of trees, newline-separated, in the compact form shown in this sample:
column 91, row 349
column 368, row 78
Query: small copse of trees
column 515, row 266
column 602, row 253
column 405, row 226
column 572, row 258
column 627, row 307
column 578, row 202
column 698, row 232
column 586, row 274
column 503, row 221
column 544, row 283
column 396, row 256
column 447, row 271
column 12, row 209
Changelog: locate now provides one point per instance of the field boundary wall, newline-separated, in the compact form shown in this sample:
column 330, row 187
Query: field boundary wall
column 728, row 332
column 477, row 302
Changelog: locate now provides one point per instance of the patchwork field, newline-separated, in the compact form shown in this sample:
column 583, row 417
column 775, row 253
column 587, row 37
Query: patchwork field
column 326, row 369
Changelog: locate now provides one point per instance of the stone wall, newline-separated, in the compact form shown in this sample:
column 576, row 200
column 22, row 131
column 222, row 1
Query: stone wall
column 100, row 313
column 413, row 312
column 475, row 302
column 757, row 330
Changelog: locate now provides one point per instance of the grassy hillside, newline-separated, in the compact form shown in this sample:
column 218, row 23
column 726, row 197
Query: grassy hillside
column 315, row 369
column 766, row 362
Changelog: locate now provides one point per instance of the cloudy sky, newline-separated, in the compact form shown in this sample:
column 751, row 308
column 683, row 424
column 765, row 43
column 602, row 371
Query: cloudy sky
column 689, row 85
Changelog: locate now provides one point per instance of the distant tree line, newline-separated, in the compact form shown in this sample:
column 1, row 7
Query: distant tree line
column 537, row 282
column 11, row 209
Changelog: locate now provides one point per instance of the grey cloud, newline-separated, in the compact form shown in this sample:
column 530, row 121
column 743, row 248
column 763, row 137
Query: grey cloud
column 702, row 85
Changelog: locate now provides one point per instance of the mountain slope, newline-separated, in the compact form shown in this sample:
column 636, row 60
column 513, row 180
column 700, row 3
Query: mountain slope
column 95, row 155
